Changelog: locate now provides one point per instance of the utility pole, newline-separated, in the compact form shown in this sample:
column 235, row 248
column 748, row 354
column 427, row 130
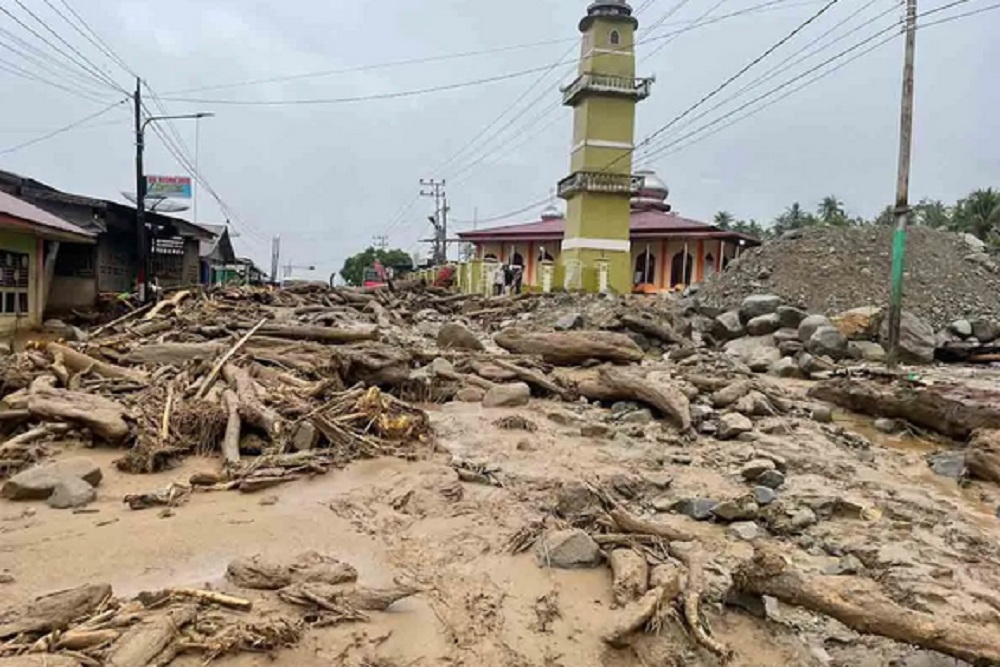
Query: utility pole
column 275, row 257
column 440, row 218
column 902, row 210
column 140, row 199
column 380, row 242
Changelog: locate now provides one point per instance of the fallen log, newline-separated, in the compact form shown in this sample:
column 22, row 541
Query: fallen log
column 614, row 384
column 213, row 597
column 251, row 410
column 35, row 434
column 328, row 335
column 82, row 363
column 861, row 606
column 636, row 616
column 172, row 354
column 629, row 576
column 143, row 642
column 52, row 612
column 103, row 416
column 951, row 409
column 647, row 326
column 174, row 301
column 124, row 318
column 568, row 348
column 983, row 457
column 231, row 439
column 81, row 639
column 629, row 523
column 217, row 366
column 533, row 378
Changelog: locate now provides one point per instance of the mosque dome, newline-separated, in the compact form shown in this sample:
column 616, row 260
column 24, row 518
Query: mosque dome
column 550, row 212
column 652, row 193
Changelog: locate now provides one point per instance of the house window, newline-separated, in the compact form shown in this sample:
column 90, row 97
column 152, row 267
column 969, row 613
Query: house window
column 14, row 274
column 615, row 38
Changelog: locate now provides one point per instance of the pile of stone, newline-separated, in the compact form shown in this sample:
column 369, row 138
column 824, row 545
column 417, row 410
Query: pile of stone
column 828, row 270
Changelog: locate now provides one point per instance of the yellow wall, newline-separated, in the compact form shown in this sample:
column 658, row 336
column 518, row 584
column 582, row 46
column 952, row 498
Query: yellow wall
column 598, row 215
column 599, row 37
column 605, row 119
column 23, row 243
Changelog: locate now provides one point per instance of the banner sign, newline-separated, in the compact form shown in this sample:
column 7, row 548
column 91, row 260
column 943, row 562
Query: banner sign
column 175, row 187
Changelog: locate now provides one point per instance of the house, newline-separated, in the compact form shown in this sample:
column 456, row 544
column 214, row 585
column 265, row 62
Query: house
column 217, row 257
column 82, row 270
column 31, row 240
column 668, row 251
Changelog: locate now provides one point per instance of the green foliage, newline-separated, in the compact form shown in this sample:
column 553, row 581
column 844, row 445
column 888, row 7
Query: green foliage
column 354, row 267
column 724, row 220
column 978, row 214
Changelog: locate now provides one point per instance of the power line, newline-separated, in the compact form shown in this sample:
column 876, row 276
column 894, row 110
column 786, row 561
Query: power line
column 62, row 130
column 94, row 39
column 14, row 69
column 41, row 61
column 664, row 43
column 40, row 55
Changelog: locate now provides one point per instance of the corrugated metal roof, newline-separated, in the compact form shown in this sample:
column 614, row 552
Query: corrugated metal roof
column 32, row 215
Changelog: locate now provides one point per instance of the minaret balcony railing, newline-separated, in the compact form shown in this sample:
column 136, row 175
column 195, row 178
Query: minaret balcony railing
column 599, row 181
column 607, row 84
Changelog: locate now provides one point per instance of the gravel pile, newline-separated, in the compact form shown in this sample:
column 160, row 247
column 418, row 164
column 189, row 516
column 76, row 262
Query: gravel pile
column 829, row 270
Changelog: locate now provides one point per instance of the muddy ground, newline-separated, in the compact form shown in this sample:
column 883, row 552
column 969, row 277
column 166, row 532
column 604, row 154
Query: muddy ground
column 927, row 540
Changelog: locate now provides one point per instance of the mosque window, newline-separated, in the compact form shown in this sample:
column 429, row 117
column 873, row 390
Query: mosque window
column 615, row 38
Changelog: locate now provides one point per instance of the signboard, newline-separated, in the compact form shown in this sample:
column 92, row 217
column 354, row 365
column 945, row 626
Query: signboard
column 176, row 187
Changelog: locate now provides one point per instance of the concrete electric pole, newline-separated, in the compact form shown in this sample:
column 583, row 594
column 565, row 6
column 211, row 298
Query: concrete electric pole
column 902, row 210
column 440, row 218
column 275, row 259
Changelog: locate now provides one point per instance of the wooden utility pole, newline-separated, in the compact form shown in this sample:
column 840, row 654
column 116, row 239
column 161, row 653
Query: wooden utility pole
column 440, row 218
column 142, row 272
column 902, row 210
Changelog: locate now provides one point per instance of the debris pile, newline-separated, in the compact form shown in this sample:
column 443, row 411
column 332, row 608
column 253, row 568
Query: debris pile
column 827, row 270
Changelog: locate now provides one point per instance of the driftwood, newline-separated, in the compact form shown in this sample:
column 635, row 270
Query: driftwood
column 569, row 348
column 983, row 457
column 694, row 558
column 629, row 575
column 174, row 301
column 647, row 326
column 614, row 384
column 636, row 616
column 864, row 608
column 80, row 639
column 53, row 612
column 213, row 597
column 214, row 373
column 103, row 416
column 172, row 354
column 629, row 523
column 336, row 599
column 327, row 335
column 252, row 411
column 124, row 318
column 951, row 409
column 145, row 641
column 259, row 574
column 533, row 378
column 35, row 434
column 231, row 440
column 82, row 363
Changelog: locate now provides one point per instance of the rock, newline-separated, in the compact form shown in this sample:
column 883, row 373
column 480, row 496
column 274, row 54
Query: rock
column 985, row 331
column 752, row 348
column 786, row 367
column 743, row 509
column 948, row 464
column 441, row 366
column 763, row 324
column 575, row 500
column 822, row 414
column 39, row 482
column 859, row 323
column 563, row 417
column 596, row 430
column 756, row 468
column 758, row 304
column 809, row 325
column 865, row 350
column 699, row 509
column 847, row 565
column 810, row 364
column 790, row 317
column 508, row 396
column 884, row 425
column 828, row 342
column 785, row 335
column 764, row 496
column 747, row 531
column 71, row 492
column 961, row 328
column 974, row 243
column 916, row 338
column 470, row 395
column 306, row 437
column 76, row 334
column 569, row 322
column 733, row 424
column 802, row 518
column 754, row 404
column 658, row 480
column 772, row 479
column 567, row 549
column 455, row 335
column 731, row 393
column 727, row 326
column 641, row 416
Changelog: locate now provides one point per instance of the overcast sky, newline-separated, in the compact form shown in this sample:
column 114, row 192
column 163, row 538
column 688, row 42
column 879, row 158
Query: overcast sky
column 327, row 177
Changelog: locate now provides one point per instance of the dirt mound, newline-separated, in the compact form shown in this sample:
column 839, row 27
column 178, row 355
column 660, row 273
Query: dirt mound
column 830, row 269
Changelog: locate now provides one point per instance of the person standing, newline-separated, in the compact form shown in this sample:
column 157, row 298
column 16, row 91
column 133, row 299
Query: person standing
column 498, row 280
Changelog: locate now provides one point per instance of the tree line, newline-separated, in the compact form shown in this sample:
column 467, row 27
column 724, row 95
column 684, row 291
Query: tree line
column 978, row 214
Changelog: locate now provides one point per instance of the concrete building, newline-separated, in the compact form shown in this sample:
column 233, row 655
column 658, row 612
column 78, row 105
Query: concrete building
column 30, row 243
column 666, row 251
column 218, row 259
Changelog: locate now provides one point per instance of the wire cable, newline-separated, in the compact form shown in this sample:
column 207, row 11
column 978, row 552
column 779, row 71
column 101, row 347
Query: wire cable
column 62, row 130
column 16, row 70
column 94, row 38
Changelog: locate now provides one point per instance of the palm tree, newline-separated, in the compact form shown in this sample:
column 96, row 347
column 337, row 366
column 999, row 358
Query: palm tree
column 724, row 220
column 979, row 213
column 933, row 213
column 831, row 211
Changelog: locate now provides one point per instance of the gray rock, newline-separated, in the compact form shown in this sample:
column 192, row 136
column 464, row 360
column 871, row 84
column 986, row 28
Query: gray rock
column 752, row 347
column 733, row 424
column 866, row 350
column 747, row 531
column 828, row 342
column 948, row 464
column 470, row 395
column 790, row 317
column 758, row 304
column 786, row 367
column 961, row 328
column 754, row 404
column 932, row 659
column 455, row 335
column 71, row 492
column 563, row 417
column 306, row 437
column 699, row 509
column 76, row 334
column 641, row 416
column 974, row 243
column 763, row 324
column 441, row 366
column 847, row 565
column 772, row 479
column 985, row 331
column 39, row 482
column 508, row 396
column 886, row 425
column 567, row 549
column 916, row 338
column 756, row 468
column 761, row 360
column 810, row 364
column 731, row 393
column 727, row 326
column 785, row 335
column 808, row 326
column 576, row 500
column 743, row 509
column 700, row 413
column 790, row 348
column 596, row 430
column 802, row 518
column 764, row 496
column 569, row 322
column 822, row 414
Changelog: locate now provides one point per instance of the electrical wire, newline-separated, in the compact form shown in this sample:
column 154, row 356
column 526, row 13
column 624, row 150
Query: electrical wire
column 662, row 45
column 94, row 38
column 16, row 70
column 39, row 55
column 62, row 130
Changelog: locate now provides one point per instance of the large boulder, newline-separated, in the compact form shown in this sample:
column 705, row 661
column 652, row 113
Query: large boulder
column 507, row 396
column 733, row 424
column 961, row 328
column 764, row 324
column 39, row 482
column 455, row 335
column 809, row 325
column 786, row 367
column 916, row 338
column 866, row 350
column 70, row 493
column 985, row 331
column 859, row 323
column 567, row 549
column 744, row 348
column 727, row 326
column 791, row 317
column 829, row 342
column 758, row 304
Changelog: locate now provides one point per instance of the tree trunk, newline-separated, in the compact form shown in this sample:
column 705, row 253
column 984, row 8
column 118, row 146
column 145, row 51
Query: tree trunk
column 647, row 326
column 52, row 612
column 252, row 411
column 80, row 362
column 629, row 575
column 569, row 348
column 143, row 642
column 173, row 354
column 103, row 416
column 231, row 440
column 615, row 384
column 327, row 335
column 983, row 459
